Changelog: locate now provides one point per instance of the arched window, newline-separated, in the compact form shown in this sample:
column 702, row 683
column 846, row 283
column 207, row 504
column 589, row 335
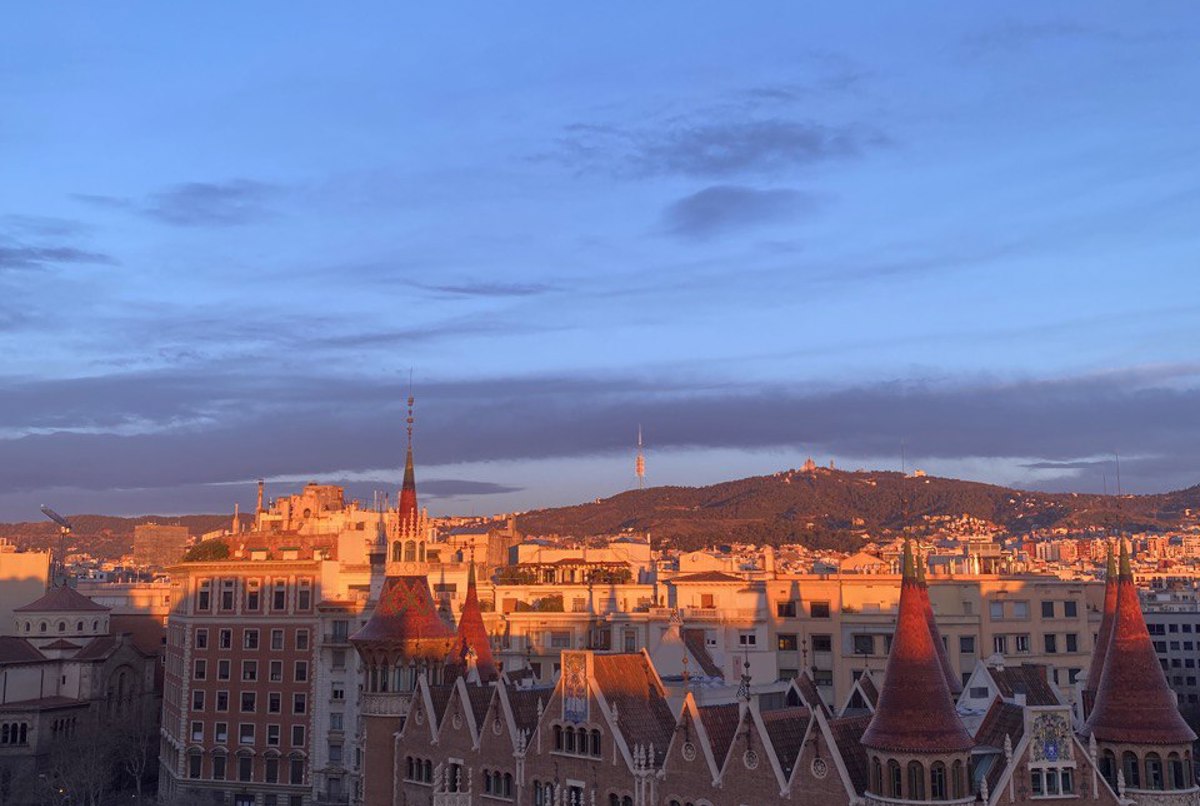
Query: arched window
column 1175, row 772
column 627, row 801
column 95, row 625
column 427, row 771
column 595, row 743
column 1154, row 771
column 79, row 626
column 570, row 740
column 508, row 785
column 876, row 777
column 558, row 737
column 410, row 552
column 896, row 787
column 62, row 626
column 1108, row 767
column 1131, row 768
column 614, row 800
column 916, row 781
column 28, row 626
column 937, row 781
column 956, row 780
column 396, row 551
column 42, row 627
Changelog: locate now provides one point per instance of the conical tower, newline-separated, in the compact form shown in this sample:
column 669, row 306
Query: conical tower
column 1096, row 668
column 1135, row 720
column 472, row 634
column 953, row 680
column 407, row 512
column 918, row 747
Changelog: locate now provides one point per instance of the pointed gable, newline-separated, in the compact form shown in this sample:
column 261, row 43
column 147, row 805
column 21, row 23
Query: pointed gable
column 629, row 685
column 720, row 724
column 786, row 729
column 809, row 694
column 915, row 712
column 1133, row 703
column 847, row 735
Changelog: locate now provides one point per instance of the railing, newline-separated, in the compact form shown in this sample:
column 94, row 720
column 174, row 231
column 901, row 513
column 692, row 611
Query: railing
column 389, row 704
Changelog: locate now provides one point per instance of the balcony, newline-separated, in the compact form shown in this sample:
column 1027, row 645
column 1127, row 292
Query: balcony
column 336, row 639
column 389, row 704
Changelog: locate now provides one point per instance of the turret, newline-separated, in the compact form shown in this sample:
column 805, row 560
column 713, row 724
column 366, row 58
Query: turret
column 1096, row 668
column 472, row 634
column 953, row 680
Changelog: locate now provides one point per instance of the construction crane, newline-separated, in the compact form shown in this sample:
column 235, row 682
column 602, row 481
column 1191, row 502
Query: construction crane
column 64, row 530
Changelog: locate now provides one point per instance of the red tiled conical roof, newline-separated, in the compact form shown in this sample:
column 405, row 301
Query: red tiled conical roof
column 472, row 635
column 915, row 713
column 407, row 508
column 953, row 681
column 1133, row 703
column 406, row 621
column 1096, row 668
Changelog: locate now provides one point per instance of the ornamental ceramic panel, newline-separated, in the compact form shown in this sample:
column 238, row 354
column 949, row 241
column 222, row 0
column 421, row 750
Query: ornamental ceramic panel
column 575, row 687
column 1051, row 737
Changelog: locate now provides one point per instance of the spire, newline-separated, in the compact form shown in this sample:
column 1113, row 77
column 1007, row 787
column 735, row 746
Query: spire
column 472, row 635
column 915, row 713
column 1096, row 668
column 407, row 506
column 953, row 681
column 640, row 463
column 1133, row 703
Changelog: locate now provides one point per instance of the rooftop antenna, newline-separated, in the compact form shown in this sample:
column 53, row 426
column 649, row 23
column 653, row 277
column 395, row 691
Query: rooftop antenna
column 640, row 463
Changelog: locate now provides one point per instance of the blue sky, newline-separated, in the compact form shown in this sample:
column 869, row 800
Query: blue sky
column 227, row 236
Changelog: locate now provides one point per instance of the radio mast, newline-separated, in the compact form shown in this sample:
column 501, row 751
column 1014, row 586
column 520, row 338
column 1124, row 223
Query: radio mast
column 640, row 463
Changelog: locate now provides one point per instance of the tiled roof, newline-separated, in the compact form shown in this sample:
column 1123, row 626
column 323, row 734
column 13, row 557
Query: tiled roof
column 147, row 632
column 693, row 639
column 915, row 712
column 407, row 505
column 61, row 643
column 472, row 635
column 440, row 697
column 1133, row 703
column 98, row 648
column 643, row 715
column 720, row 723
column 953, row 680
column 62, row 599
column 480, row 697
column 43, row 704
column 866, row 685
column 18, row 650
column 1028, row 679
column 407, row 619
column 1104, row 635
column 1002, row 719
column 706, row 576
column 810, row 693
column 786, row 728
column 524, row 704
column 847, row 735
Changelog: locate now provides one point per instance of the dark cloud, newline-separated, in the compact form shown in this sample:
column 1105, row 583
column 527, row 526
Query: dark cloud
column 198, row 204
column 37, row 257
column 724, row 208
column 452, row 488
column 714, row 149
column 486, row 289
column 41, row 226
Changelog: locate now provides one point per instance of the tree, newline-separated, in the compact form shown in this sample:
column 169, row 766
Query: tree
column 206, row 551
column 135, row 747
column 80, row 770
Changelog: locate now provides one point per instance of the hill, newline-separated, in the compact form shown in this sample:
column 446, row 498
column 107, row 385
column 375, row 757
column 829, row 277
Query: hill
column 825, row 508
column 104, row 536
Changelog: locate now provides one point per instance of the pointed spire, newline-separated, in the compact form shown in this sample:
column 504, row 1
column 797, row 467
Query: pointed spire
column 915, row 713
column 407, row 506
column 472, row 634
column 953, row 681
column 1106, row 624
column 1134, row 705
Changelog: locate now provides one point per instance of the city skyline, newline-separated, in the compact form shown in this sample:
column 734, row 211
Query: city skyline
column 225, row 242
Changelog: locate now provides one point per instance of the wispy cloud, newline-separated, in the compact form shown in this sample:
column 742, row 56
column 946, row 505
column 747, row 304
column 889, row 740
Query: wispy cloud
column 36, row 257
column 724, row 208
column 198, row 204
column 486, row 289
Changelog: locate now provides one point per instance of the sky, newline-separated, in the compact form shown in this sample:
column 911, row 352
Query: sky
column 963, row 234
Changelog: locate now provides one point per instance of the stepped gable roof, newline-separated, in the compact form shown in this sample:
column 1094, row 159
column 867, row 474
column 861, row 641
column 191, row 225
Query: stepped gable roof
column 915, row 713
column 786, row 728
column 406, row 619
column 693, row 639
column 810, row 693
column 1133, row 703
column 847, row 735
column 18, row 650
column 472, row 635
column 706, row 576
column 1028, row 679
column 62, row 599
column 1104, row 635
column 720, row 723
column 953, row 681
column 643, row 715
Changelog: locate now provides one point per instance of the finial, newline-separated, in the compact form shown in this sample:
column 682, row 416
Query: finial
column 908, row 569
column 1110, row 567
column 1126, row 572
column 408, row 422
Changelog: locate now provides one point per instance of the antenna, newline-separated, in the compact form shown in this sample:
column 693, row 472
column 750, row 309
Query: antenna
column 640, row 463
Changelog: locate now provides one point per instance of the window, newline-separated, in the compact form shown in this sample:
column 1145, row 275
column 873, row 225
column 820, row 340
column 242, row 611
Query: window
column 274, row 703
column 916, row 781
column 979, row 692
column 246, row 733
column 1020, row 610
column 1132, row 770
column 1172, row 628
column 249, row 670
column 253, row 595
column 223, row 669
column 245, row 768
column 822, row 643
column 250, row 639
column 785, row 609
column 337, row 691
column 221, row 732
column 1051, row 643
column 302, row 639
column 335, row 753
column 747, row 639
column 297, row 735
column 1154, row 771
column 296, row 773
column 193, row 765
column 560, row 639
column 1070, row 609
column 787, row 642
column 1000, row 644
column 823, row 677
column 200, row 669
column 707, row 600
column 202, row 638
column 197, row 731
column 249, row 700
column 276, row 639
column 227, row 586
column 272, row 735
column 818, row 609
column 864, row 644
column 276, row 671
column 301, row 670
column 937, row 781
column 966, row 644
column 198, row 699
column 222, row 700
column 336, row 720
column 1047, row 609
column 225, row 639
column 304, row 595
column 299, row 703
column 218, row 766
column 996, row 610
column 1022, row 642
column 1072, row 642
column 339, row 658
column 271, row 770
column 204, row 601
column 279, row 596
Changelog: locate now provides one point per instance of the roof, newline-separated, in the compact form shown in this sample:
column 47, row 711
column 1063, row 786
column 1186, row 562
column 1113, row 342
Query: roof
column 847, row 735
column 706, row 576
column 1028, row 679
column 786, row 728
column 61, row 643
column 18, row 650
column 953, row 681
column 915, row 713
column 643, row 715
column 524, row 704
column 1103, row 636
column 44, row 704
column 1002, row 719
column 98, row 648
column 1133, row 702
column 479, row 697
column 62, row 599
column 810, row 693
column 147, row 632
column 406, row 618
column 472, row 635
column 407, row 505
column 693, row 639
column 720, row 723
column 440, row 697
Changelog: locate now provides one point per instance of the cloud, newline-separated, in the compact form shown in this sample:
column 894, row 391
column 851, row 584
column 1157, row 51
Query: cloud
column 452, row 488
column 37, row 257
column 42, row 226
column 487, row 289
column 706, row 149
column 724, row 208
column 198, row 204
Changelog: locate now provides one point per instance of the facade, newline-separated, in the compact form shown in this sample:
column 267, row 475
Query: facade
column 24, row 576
column 159, row 546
